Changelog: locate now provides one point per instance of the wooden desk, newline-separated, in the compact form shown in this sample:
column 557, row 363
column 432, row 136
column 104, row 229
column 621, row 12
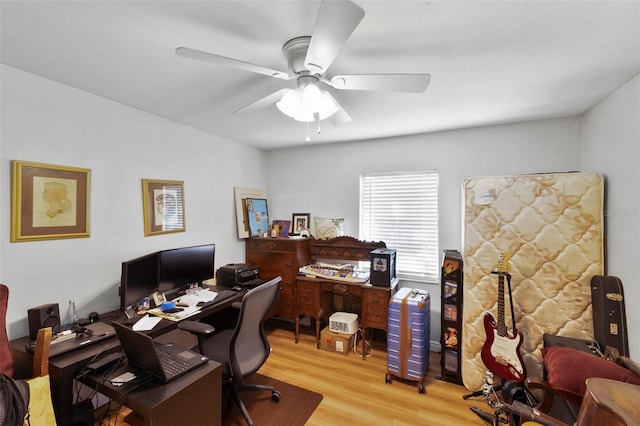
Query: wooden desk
column 63, row 368
column 193, row 399
column 314, row 295
column 315, row 300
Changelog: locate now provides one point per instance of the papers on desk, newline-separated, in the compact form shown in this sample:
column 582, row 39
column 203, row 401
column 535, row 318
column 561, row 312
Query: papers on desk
column 346, row 273
column 188, row 303
column 201, row 295
column 146, row 323
column 175, row 316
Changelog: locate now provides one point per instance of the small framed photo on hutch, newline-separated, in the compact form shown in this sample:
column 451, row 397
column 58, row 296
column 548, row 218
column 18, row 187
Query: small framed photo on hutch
column 299, row 222
column 257, row 216
column 49, row 201
column 163, row 203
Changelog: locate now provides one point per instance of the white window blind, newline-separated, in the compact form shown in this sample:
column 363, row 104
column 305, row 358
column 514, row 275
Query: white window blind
column 401, row 209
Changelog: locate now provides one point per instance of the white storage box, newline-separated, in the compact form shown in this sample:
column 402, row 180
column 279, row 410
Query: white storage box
column 343, row 322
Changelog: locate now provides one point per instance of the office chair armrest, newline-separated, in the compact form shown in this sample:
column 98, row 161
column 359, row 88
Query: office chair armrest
column 195, row 327
column 236, row 305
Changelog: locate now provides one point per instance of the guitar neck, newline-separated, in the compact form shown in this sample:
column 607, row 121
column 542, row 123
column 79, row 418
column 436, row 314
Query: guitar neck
column 501, row 327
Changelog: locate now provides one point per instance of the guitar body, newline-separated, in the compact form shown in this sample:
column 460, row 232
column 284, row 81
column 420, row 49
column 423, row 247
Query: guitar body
column 501, row 354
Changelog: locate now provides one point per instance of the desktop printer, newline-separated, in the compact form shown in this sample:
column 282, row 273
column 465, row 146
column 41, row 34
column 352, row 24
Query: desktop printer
column 238, row 274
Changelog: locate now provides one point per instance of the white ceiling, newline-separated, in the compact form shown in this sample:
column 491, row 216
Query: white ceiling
column 490, row 62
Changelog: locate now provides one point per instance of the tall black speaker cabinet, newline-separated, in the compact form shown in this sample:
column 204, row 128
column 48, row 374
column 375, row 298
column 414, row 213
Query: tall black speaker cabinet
column 451, row 316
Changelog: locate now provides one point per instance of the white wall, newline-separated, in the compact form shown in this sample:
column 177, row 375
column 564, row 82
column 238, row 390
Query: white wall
column 47, row 122
column 324, row 180
column 611, row 135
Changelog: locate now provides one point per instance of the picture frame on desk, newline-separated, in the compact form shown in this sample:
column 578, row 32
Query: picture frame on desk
column 299, row 222
column 281, row 227
column 257, row 216
column 163, row 204
column 49, row 201
column 240, row 195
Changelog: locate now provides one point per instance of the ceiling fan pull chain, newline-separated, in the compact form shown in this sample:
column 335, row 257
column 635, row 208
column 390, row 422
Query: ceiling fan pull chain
column 308, row 138
column 316, row 117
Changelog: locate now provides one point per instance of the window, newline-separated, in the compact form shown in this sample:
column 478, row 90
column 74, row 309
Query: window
column 401, row 209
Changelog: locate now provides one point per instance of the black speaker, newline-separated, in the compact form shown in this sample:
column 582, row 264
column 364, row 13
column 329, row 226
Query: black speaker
column 43, row 316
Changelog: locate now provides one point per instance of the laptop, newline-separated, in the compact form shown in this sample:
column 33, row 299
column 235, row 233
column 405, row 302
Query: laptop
column 165, row 362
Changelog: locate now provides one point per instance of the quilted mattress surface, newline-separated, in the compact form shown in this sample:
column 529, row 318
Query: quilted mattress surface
column 552, row 226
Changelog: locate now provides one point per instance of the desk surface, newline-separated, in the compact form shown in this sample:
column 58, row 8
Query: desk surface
column 195, row 398
column 63, row 368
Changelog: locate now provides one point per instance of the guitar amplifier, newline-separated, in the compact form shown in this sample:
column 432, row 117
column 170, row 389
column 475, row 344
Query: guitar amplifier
column 238, row 274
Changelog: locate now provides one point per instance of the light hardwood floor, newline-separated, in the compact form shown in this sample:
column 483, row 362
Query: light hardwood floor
column 354, row 390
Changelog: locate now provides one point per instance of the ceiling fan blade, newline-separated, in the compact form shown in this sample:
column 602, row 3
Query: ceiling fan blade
column 414, row 83
column 335, row 23
column 262, row 102
column 341, row 116
column 199, row 55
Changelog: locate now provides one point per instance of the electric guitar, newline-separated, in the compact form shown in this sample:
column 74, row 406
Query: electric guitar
column 501, row 351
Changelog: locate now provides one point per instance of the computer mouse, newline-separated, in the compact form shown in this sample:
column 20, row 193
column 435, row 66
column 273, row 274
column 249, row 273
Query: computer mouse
column 236, row 288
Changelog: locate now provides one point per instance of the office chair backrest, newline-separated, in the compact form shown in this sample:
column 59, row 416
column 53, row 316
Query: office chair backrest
column 249, row 345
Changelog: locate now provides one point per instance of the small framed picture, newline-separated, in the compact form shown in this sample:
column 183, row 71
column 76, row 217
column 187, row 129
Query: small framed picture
column 158, row 298
column 257, row 216
column 49, row 202
column 300, row 222
column 163, row 202
column 280, row 228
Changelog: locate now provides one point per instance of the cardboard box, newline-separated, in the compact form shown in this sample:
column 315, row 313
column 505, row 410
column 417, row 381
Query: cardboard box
column 336, row 342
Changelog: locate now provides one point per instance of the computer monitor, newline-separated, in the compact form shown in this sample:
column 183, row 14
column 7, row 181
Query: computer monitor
column 188, row 265
column 139, row 279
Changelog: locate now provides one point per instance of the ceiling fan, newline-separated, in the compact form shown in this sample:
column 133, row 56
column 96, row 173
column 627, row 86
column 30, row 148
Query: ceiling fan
column 308, row 59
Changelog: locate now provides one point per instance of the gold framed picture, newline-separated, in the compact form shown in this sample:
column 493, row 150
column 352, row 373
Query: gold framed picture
column 163, row 203
column 48, row 201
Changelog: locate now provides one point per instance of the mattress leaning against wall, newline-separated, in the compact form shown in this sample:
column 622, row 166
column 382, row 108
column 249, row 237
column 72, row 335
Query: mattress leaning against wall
column 552, row 225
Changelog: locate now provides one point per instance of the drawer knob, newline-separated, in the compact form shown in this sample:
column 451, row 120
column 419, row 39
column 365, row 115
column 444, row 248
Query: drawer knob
column 376, row 300
column 376, row 314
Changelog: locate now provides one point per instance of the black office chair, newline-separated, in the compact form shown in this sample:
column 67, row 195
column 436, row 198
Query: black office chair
column 244, row 349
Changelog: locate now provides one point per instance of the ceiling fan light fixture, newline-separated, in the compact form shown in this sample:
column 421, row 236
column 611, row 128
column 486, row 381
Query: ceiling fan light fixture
column 303, row 104
column 289, row 104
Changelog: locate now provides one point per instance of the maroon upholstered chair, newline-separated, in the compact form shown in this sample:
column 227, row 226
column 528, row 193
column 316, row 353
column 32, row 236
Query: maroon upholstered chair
column 6, row 357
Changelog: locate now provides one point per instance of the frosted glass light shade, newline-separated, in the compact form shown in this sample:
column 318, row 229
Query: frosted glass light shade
column 302, row 105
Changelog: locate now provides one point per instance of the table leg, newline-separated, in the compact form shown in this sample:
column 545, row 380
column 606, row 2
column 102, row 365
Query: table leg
column 318, row 333
column 62, row 396
column 364, row 342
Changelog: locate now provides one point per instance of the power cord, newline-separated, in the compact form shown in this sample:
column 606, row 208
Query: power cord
column 368, row 353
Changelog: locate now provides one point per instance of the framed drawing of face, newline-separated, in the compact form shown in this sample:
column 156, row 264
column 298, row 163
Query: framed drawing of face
column 163, row 202
column 49, row 201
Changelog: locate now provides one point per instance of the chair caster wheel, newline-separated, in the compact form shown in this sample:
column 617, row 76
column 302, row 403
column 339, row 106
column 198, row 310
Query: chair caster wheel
column 275, row 396
column 420, row 388
column 387, row 378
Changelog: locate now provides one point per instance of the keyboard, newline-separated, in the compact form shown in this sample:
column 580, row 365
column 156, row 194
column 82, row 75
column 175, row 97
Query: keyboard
column 171, row 365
